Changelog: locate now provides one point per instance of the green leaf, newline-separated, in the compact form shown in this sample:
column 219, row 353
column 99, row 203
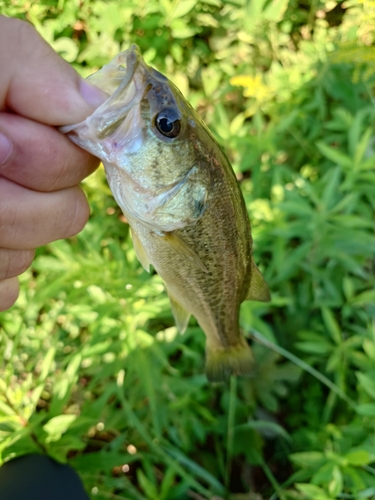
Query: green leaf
column 269, row 429
column 183, row 7
column 331, row 325
column 195, row 468
column 369, row 348
column 211, row 80
column 56, row 426
column 332, row 182
column 301, row 207
column 146, row 485
column 101, row 461
column 47, row 363
column 324, row 474
column 319, row 346
column 312, row 492
column 358, row 457
column 275, row 10
column 308, row 458
column 167, row 483
column 367, row 383
column 366, row 410
column 336, row 484
column 362, row 147
column 5, row 409
column 364, row 298
column 335, row 155
column 181, row 30
column 216, row 3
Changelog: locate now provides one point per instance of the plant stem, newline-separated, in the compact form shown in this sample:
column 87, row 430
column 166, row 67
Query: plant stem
column 231, row 422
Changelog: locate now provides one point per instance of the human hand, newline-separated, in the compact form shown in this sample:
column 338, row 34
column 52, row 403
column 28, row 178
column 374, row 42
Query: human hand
column 40, row 200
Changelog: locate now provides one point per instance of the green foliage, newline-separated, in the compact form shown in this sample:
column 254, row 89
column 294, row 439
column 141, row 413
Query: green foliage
column 94, row 372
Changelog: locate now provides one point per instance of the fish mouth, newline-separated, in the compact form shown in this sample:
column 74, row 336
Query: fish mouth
column 136, row 94
column 130, row 82
column 124, row 79
column 133, row 59
column 115, row 77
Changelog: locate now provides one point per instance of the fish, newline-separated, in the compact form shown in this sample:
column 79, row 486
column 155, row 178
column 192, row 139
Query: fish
column 182, row 200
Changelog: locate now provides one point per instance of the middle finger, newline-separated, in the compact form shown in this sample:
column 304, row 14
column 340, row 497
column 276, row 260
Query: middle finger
column 14, row 262
column 42, row 158
column 29, row 219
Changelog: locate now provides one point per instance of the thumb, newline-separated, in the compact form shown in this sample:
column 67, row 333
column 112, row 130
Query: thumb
column 37, row 83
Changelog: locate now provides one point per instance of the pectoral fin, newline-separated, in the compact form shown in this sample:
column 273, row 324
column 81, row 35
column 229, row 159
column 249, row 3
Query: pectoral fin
column 181, row 316
column 183, row 249
column 258, row 289
column 140, row 251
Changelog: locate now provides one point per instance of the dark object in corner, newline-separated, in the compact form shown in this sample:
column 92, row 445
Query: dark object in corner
column 38, row 477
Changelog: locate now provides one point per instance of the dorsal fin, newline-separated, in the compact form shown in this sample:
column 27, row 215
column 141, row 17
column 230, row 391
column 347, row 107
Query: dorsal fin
column 258, row 289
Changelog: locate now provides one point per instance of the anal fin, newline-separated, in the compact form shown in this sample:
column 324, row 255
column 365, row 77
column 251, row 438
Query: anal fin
column 140, row 251
column 258, row 289
column 181, row 316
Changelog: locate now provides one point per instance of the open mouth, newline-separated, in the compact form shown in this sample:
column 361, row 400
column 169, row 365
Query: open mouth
column 116, row 75
column 133, row 58
column 123, row 79
column 136, row 94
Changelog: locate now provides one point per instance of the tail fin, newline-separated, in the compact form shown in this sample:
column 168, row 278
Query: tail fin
column 222, row 362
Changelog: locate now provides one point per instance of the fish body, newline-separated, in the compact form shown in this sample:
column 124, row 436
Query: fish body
column 182, row 200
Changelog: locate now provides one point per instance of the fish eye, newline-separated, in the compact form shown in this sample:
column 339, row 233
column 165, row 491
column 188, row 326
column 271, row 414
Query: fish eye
column 168, row 123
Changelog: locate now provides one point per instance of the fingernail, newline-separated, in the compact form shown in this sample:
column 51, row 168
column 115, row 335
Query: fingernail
column 92, row 95
column 5, row 148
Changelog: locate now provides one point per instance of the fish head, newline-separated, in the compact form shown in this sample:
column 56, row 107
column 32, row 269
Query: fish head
column 156, row 150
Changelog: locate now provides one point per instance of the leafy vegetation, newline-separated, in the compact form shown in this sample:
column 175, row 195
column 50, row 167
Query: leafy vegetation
column 93, row 370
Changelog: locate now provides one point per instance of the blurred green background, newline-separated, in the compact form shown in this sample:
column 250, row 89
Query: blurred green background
column 93, row 370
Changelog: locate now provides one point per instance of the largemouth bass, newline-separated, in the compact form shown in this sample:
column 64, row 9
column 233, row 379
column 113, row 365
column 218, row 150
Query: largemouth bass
column 181, row 198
